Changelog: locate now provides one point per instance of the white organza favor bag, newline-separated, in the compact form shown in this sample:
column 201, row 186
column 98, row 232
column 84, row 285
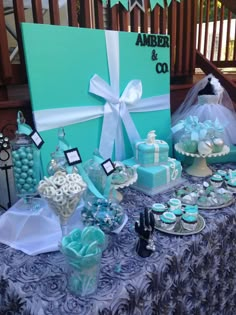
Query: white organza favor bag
column 36, row 230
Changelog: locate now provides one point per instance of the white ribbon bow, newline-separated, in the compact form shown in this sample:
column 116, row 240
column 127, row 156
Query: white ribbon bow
column 115, row 111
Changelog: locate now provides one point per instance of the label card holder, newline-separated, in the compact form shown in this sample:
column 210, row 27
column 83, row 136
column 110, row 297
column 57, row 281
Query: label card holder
column 108, row 167
column 37, row 139
column 73, row 156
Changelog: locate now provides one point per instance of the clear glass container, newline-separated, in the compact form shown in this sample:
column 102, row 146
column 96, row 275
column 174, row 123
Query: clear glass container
column 59, row 163
column 83, row 274
column 26, row 165
column 96, row 174
column 58, row 160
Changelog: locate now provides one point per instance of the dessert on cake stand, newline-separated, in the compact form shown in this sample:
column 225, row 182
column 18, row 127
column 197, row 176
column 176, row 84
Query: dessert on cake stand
column 124, row 176
column 199, row 166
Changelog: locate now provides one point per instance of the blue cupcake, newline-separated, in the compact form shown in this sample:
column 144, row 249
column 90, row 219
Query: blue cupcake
column 158, row 209
column 231, row 184
column 168, row 220
column 191, row 210
column 189, row 222
column 222, row 173
column 178, row 213
column 216, row 180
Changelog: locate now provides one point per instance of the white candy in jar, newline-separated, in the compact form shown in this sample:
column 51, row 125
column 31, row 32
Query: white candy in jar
column 62, row 191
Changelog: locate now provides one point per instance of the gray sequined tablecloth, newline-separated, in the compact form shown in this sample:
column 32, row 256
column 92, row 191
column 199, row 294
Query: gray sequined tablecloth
column 190, row 275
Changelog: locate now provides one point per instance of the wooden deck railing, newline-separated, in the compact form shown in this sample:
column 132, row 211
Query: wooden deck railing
column 179, row 21
column 188, row 23
column 216, row 32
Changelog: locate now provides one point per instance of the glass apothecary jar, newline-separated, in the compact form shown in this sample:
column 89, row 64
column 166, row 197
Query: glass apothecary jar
column 26, row 160
column 58, row 160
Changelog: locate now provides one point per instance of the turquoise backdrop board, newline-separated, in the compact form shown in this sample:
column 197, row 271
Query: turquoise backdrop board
column 61, row 61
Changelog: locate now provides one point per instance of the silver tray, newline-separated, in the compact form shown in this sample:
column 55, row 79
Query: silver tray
column 227, row 204
column 179, row 230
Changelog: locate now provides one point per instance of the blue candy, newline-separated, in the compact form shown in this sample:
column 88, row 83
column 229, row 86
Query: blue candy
column 29, row 180
column 25, row 161
column 24, row 168
column 24, row 175
column 26, row 186
column 21, row 181
column 23, row 155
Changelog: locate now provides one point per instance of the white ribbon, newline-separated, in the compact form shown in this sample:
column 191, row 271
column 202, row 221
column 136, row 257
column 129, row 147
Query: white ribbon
column 116, row 110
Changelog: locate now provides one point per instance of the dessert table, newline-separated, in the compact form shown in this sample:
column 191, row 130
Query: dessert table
column 186, row 275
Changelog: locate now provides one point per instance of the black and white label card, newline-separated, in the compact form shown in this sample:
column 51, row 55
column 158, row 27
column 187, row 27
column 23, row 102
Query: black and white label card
column 73, row 156
column 37, row 139
column 108, row 167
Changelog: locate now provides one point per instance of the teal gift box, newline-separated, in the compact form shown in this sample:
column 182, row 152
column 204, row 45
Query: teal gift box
column 159, row 178
column 107, row 88
column 150, row 155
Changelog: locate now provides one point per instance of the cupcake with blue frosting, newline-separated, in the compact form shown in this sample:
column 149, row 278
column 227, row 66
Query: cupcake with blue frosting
column 216, row 180
column 191, row 210
column 222, row 173
column 168, row 221
column 178, row 213
column 158, row 209
column 189, row 222
column 231, row 184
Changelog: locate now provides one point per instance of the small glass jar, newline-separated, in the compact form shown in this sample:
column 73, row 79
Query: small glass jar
column 26, row 165
column 59, row 163
column 58, row 160
column 96, row 174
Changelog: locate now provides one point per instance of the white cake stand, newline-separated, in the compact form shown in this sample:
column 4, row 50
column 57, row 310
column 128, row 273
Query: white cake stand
column 130, row 181
column 199, row 166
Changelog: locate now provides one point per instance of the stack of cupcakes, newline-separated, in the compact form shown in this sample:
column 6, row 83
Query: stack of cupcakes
column 174, row 214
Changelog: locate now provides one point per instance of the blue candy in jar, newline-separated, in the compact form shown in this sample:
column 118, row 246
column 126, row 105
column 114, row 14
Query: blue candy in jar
column 25, row 168
column 26, row 160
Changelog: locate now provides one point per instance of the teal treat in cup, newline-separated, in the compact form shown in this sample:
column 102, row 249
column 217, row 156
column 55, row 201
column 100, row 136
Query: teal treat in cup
column 189, row 222
column 174, row 203
column 158, row 209
column 231, row 184
column 168, row 220
column 216, row 180
column 231, row 174
column 178, row 213
column 222, row 173
column 191, row 210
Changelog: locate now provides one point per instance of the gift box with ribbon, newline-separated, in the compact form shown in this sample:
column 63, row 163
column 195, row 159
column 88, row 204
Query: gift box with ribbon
column 156, row 171
column 151, row 151
column 102, row 86
column 155, row 179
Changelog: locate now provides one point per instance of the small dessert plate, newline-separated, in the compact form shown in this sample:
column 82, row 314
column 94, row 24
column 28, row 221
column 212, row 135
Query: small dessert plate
column 207, row 207
column 179, row 230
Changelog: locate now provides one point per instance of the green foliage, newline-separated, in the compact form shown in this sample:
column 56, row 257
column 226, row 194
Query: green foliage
column 212, row 11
